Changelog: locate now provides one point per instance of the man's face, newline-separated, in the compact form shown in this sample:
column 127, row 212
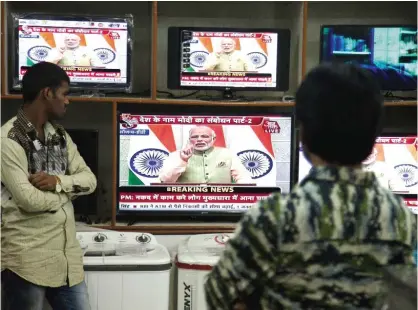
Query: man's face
column 227, row 46
column 201, row 138
column 72, row 41
column 57, row 102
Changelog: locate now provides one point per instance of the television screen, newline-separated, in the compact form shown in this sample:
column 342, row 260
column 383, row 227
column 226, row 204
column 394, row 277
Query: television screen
column 211, row 163
column 393, row 159
column 389, row 53
column 92, row 52
column 220, row 58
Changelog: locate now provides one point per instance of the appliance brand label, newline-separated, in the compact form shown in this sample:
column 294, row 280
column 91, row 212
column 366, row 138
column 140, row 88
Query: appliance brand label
column 187, row 296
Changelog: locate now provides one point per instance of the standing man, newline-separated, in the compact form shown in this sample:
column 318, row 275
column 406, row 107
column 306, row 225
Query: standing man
column 41, row 172
column 201, row 162
column 327, row 244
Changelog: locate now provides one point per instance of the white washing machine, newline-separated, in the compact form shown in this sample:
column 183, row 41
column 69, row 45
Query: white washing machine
column 196, row 257
column 125, row 270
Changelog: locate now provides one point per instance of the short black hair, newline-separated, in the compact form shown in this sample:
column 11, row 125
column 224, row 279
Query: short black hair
column 40, row 76
column 340, row 108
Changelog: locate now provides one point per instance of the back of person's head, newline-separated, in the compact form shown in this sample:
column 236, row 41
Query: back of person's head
column 40, row 76
column 340, row 109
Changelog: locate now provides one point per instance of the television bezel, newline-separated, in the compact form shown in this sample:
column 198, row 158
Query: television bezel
column 321, row 41
column 76, row 86
column 174, row 59
column 147, row 109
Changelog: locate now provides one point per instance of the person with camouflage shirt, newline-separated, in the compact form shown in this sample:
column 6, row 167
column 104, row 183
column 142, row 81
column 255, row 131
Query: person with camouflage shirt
column 326, row 244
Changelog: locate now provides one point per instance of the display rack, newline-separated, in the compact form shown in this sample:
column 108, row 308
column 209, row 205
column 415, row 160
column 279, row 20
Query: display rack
column 178, row 228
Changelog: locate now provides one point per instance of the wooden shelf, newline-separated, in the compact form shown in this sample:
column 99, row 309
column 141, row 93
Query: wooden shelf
column 404, row 103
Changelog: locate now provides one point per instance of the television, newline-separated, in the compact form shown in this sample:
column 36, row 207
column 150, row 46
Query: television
column 388, row 52
column 87, row 141
column 411, row 202
column 228, row 59
column 94, row 51
column 393, row 159
column 235, row 159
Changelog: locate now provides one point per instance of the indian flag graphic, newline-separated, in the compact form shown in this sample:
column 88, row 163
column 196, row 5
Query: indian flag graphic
column 148, row 151
column 253, row 146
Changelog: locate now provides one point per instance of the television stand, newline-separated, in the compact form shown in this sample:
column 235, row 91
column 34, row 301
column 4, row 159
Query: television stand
column 92, row 94
column 227, row 95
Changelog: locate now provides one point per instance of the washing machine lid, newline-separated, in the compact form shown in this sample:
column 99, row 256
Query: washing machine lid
column 128, row 257
column 203, row 250
column 137, row 250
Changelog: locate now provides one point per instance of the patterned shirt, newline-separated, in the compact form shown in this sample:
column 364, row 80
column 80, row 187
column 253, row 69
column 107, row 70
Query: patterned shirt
column 38, row 236
column 322, row 247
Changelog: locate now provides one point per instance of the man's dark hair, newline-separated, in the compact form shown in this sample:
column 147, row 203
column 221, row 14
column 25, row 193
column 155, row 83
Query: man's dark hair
column 40, row 76
column 340, row 108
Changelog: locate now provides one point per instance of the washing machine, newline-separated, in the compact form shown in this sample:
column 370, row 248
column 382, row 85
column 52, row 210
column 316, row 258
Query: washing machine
column 125, row 270
column 196, row 257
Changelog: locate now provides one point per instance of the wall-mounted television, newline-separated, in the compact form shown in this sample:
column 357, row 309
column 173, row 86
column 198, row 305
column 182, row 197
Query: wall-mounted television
column 201, row 161
column 388, row 52
column 393, row 159
column 228, row 58
column 94, row 51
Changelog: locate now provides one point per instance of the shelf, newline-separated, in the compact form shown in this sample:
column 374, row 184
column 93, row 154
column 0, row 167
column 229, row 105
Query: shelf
column 405, row 103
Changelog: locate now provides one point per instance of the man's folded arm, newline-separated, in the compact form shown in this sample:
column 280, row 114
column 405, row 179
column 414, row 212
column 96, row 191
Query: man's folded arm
column 249, row 259
column 80, row 180
column 15, row 177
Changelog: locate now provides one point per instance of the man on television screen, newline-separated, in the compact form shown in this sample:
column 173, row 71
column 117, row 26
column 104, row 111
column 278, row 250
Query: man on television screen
column 73, row 54
column 228, row 59
column 202, row 162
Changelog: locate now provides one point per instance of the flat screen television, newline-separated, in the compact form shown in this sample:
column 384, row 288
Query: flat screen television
column 411, row 202
column 393, row 159
column 94, row 51
column 388, row 52
column 236, row 159
column 228, row 58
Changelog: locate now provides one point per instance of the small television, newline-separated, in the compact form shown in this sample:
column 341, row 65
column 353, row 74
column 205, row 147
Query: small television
column 236, row 158
column 393, row 159
column 94, row 51
column 228, row 59
column 389, row 53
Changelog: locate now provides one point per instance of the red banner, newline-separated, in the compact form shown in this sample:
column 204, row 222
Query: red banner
column 396, row 140
column 207, row 34
column 222, row 79
column 199, row 120
column 76, row 30
column 236, row 198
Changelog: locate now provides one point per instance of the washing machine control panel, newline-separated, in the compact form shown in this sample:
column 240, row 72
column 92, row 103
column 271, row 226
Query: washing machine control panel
column 115, row 237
